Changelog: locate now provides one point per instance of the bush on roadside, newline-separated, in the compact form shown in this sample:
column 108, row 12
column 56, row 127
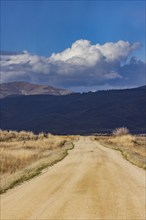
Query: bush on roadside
column 121, row 131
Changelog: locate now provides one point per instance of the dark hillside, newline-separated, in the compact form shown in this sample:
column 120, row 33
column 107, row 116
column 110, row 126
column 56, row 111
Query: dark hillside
column 86, row 113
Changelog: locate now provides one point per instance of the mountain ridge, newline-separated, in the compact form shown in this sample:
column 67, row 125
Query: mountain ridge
column 26, row 88
column 87, row 113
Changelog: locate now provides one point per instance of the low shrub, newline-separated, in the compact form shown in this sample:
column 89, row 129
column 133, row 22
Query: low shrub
column 121, row 131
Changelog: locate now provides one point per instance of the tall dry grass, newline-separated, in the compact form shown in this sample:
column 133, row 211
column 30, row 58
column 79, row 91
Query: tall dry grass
column 133, row 148
column 17, row 136
column 24, row 154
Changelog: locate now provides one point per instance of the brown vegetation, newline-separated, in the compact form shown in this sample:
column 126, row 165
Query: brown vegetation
column 133, row 148
column 24, row 154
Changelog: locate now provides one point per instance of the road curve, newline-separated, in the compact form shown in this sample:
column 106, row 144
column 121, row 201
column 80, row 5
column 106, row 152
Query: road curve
column 92, row 182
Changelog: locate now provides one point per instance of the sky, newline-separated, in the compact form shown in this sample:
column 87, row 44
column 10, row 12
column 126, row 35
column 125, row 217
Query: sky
column 77, row 45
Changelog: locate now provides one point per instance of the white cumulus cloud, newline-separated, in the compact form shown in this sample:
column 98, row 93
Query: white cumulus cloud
column 83, row 64
column 89, row 54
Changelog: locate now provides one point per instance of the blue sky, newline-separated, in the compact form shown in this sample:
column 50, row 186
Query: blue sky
column 46, row 27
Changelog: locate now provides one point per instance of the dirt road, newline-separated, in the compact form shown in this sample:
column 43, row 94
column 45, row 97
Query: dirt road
column 92, row 182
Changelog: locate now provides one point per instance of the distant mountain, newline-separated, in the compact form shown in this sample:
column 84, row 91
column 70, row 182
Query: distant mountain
column 25, row 88
column 87, row 113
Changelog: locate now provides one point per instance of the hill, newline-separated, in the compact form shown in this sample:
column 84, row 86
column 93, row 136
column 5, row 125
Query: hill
column 25, row 88
column 86, row 113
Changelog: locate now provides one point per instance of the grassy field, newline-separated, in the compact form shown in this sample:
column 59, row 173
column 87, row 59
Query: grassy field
column 133, row 148
column 23, row 155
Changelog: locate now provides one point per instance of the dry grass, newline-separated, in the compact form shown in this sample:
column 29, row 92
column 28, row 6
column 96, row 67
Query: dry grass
column 17, row 136
column 133, row 148
column 24, row 154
